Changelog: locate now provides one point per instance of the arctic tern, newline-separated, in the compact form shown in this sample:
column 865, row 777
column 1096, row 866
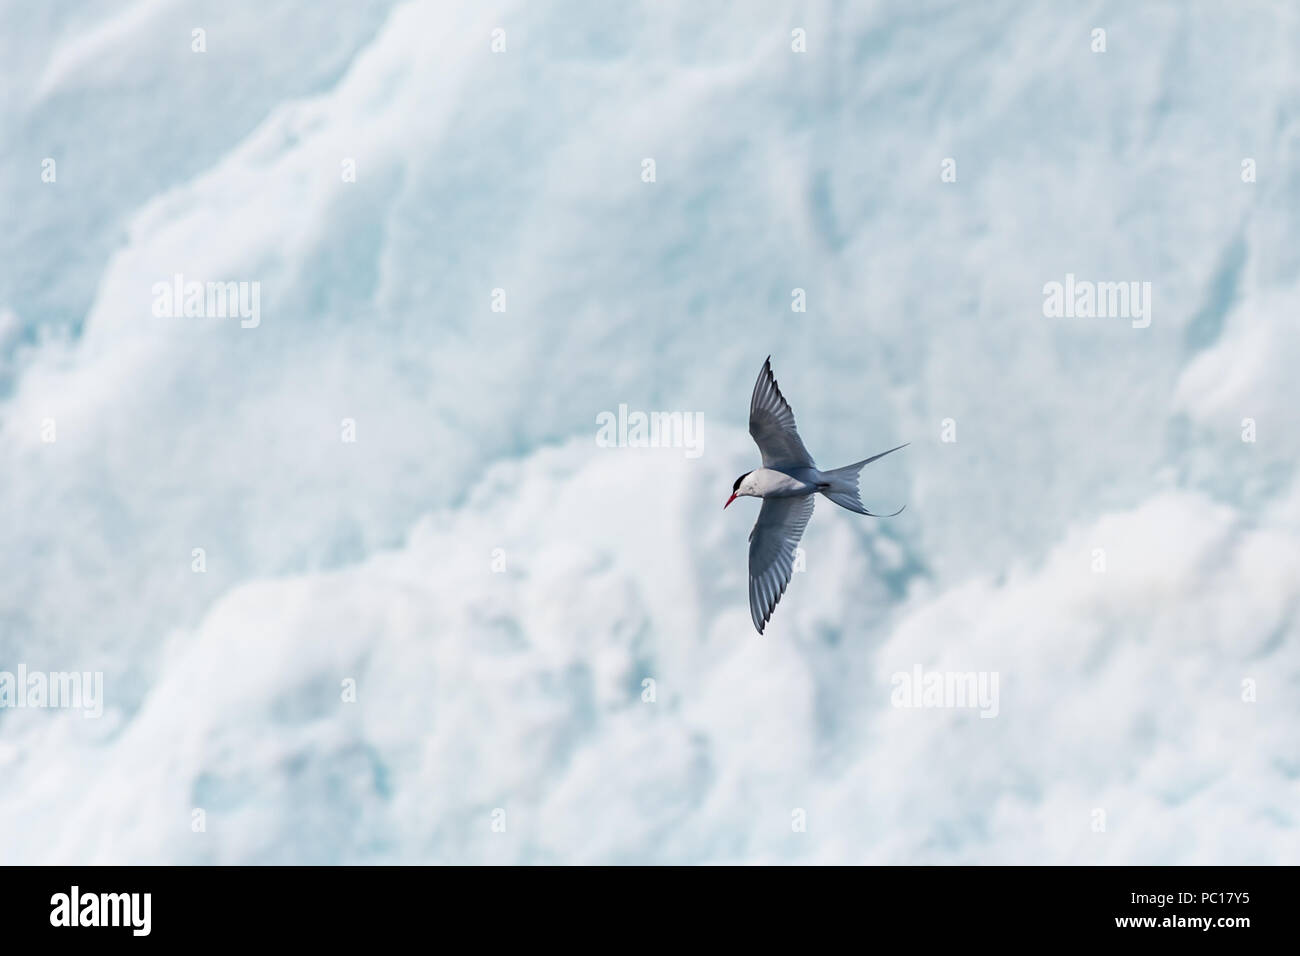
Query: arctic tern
column 787, row 482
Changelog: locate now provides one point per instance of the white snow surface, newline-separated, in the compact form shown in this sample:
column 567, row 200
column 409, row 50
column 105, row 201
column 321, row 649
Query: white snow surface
column 496, row 586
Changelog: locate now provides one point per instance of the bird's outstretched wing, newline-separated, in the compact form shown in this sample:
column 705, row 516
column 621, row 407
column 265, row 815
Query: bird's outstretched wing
column 771, row 423
column 771, row 552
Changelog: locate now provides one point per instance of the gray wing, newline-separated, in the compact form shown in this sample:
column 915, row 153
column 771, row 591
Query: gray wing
column 771, row 423
column 771, row 552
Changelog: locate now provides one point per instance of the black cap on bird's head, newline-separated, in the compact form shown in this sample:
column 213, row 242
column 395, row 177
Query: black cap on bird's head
column 735, row 489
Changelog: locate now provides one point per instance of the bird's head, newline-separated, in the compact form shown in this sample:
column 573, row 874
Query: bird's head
column 740, row 488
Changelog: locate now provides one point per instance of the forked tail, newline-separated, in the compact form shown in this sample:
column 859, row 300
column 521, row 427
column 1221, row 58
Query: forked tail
column 843, row 485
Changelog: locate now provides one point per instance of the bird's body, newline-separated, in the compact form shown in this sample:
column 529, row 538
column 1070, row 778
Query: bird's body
column 778, row 483
column 787, row 482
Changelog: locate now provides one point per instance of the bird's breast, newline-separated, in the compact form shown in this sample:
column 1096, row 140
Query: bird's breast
column 778, row 484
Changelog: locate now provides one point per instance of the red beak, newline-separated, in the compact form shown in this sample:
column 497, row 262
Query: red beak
column 729, row 501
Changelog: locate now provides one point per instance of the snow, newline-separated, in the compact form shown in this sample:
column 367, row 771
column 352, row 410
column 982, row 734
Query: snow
column 496, row 585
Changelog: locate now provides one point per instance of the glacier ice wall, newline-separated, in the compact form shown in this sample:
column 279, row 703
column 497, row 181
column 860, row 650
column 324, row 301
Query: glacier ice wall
column 520, row 688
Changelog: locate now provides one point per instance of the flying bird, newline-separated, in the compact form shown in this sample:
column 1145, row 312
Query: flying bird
column 786, row 482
